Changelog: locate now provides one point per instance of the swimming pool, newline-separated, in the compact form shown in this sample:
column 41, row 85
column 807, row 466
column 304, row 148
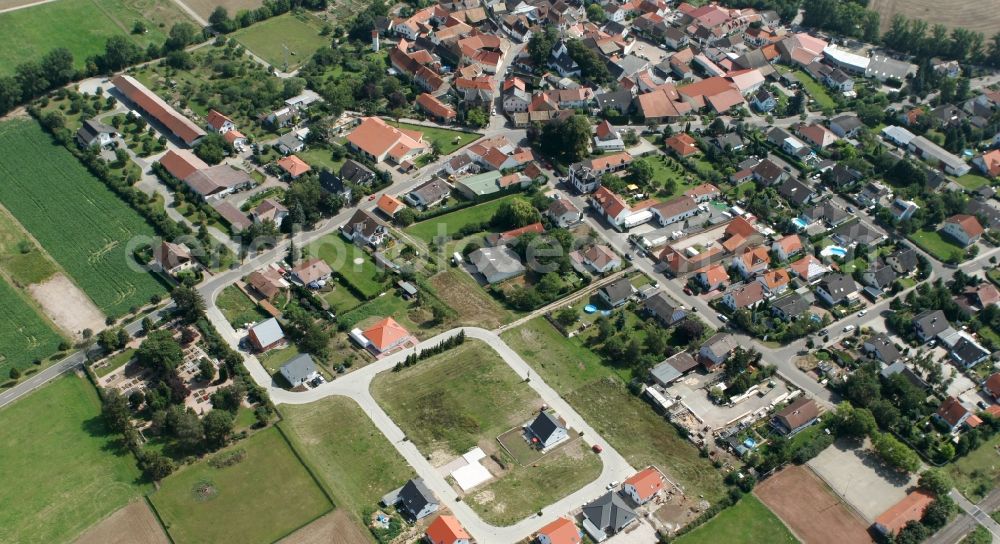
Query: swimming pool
column 836, row 251
column 800, row 223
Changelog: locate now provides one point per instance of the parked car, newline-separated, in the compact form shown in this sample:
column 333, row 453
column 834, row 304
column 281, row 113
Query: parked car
column 862, row 313
column 849, row 328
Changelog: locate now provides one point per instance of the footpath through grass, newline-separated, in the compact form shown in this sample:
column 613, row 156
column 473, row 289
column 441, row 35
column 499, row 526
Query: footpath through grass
column 453, row 401
column 748, row 521
column 83, row 27
column 262, row 498
column 600, row 395
column 24, row 334
column 348, row 454
column 61, row 469
column 83, row 225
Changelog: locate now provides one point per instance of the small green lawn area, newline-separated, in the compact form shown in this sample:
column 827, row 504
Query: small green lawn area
column 527, row 489
column 262, row 498
column 318, row 158
column 62, row 471
column 599, row 394
column 238, row 308
column 273, row 360
column 450, row 223
column 115, row 362
column 340, row 298
column 351, row 457
column 972, row 181
column 938, row 245
column 456, row 400
column 350, row 261
column 744, row 189
column 21, row 258
column 449, row 140
column 815, row 89
column 747, row 521
column 663, row 173
column 299, row 32
column 978, row 472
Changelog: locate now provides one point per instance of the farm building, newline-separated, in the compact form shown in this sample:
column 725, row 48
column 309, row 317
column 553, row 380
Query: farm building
column 266, row 335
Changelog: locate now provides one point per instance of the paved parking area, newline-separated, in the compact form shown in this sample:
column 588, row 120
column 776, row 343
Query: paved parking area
column 861, row 479
column 648, row 51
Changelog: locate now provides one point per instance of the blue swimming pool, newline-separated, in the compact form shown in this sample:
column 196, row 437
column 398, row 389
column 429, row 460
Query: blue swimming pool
column 835, row 251
column 590, row 308
column 800, row 223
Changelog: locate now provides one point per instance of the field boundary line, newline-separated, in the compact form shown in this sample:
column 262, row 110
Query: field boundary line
column 159, row 520
column 309, row 469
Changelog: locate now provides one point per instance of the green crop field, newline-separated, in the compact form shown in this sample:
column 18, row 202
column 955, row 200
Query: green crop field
column 299, row 33
column 748, row 521
column 61, row 469
column 82, row 26
column 24, row 335
column 262, row 498
column 83, row 225
column 348, row 454
column 452, row 401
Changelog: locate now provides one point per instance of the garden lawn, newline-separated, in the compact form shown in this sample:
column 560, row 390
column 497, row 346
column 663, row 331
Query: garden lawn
column 318, row 158
column 747, row 521
column 83, row 225
column 238, row 308
column 452, row 222
column 448, row 140
column 972, row 181
column 662, row 173
column 938, row 245
column 978, row 472
column 599, row 394
column 351, row 457
column 299, row 32
column 61, row 470
column 455, row 400
column 525, row 490
column 262, row 498
column 350, row 261
column 115, row 362
column 24, row 334
column 82, row 26
column 815, row 90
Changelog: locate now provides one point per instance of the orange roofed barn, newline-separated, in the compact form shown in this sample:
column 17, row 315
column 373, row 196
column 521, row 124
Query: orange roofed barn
column 379, row 141
column 386, row 335
column 446, row 530
column 154, row 106
column 560, row 531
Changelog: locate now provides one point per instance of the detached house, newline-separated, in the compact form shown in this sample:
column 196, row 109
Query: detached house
column 787, row 247
column 95, row 133
column 563, row 212
column 716, row 350
column 173, row 259
column 378, row 141
column 663, row 309
column 364, row 228
column 747, row 296
column 546, row 431
column 929, row 324
column 965, row 229
column 644, row 485
column 836, row 289
column 952, row 413
column 560, row 531
column 713, row 277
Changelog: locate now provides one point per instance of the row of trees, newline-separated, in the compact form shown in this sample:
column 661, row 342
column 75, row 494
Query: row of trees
column 919, row 38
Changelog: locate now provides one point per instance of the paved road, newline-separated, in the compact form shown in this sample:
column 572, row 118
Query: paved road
column 71, row 363
column 965, row 523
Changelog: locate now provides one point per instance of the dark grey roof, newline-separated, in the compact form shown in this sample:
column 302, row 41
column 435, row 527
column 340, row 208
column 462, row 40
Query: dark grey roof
column 544, row 426
column 990, row 215
column 883, row 348
column 660, row 306
column 732, row 139
column 795, row 192
column 838, row 285
column 289, row 141
column 299, row 369
column 415, row 496
column 931, row 322
column 432, row 191
column 609, row 513
column 356, row 173
column 91, row 129
column 792, row 305
column 967, row 352
column 615, row 99
column 841, row 176
column 331, row 183
column 619, row 290
column 903, row 260
column 673, row 367
column 364, row 223
column 857, row 232
column 848, row 122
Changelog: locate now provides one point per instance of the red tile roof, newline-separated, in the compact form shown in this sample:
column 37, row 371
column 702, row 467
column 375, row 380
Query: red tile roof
column 952, row 411
column 561, row 531
column 612, row 204
column 216, row 119
column 293, row 165
column 968, row 223
column 647, row 482
column 389, row 204
column 182, row 163
column 445, row 530
column 682, row 144
column 152, row 104
column 435, row 107
column 911, row 508
column 385, row 333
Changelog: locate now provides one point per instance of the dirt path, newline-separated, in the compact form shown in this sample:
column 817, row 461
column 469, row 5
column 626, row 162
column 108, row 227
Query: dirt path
column 66, row 305
column 14, row 5
column 337, row 527
column 133, row 524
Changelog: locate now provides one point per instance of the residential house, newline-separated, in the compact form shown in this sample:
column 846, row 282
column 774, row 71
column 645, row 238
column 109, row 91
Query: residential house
column 312, row 272
column 796, row 416
column 789, row 307
column 386, row 335
column 992, row 386
column 546, row 431
column 606, row 138
column 775, row 282
column 952, row 413
column 796, row 193
column 965, row 229
column 846, row 126
column 967, row 353
column 808, row 268
column 299, row 370
column 266, row 282
column 644, row 485
column 929, row 324
column 836, row 289
column 617, row 293
column 378, row 141
column 564, row 213
column 703, row 193
column 763, row 101
column 682, row 144
column 269, row 210
column 389, row 205
column 437, row 110
column 787, row 247
column 364, row 228
column 674, row 210
column 496, row 264
column 172, row 258
column 842, row 177
column 414, row 500
column 607, row 515
column 752, row 261
column 600, row 259
column 266, row 335
column 585, row 176
column 673, row 368
column 515, row 96
column 768, row 173
column 747, row 296
column 560, row 531
column 817, row 135
column 511, row 236
column 293, row 166
column 663, row 309
column 880, row 276
column 219, row 122
column 429, row 194
column 881, row 347
column 987, row 162
column 446, row 530
column 712, row 278
column 95, row 133
column 716, row 350
column 356, row 173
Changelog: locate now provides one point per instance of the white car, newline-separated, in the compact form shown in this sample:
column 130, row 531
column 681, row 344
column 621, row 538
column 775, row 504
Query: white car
column 613, row 485
column 849, row 328
column 862, row 313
